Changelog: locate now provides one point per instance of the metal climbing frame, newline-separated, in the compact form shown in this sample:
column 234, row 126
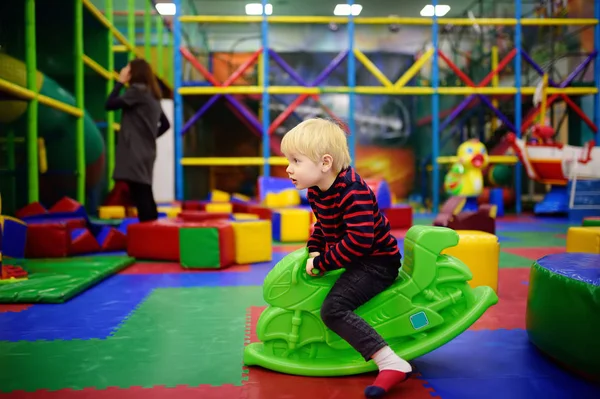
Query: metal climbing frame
column 472, row 90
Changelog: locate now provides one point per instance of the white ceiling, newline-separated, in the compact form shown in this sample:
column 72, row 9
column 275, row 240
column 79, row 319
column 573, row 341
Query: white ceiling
column 371, row 8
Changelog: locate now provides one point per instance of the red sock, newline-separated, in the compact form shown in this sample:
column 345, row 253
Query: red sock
column 385, row 380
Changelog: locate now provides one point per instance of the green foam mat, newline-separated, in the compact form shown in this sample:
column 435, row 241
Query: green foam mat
column 59, row 279
column 177, row 336
column 532, row 239
column 591, row 222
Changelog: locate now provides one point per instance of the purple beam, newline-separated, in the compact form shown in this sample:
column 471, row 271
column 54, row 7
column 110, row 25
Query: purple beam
column 499, row 114
column 200, row 112
column 244, row 111
column 578, row 70
column 330, row 68
column 455, row 112
column 287, row 68
column 538, row 69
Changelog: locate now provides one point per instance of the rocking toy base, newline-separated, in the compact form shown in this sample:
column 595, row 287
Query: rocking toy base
column 254, row 354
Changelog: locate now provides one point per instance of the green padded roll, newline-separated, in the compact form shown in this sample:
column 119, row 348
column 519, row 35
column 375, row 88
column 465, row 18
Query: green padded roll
column 563, row 311
column 591, row 221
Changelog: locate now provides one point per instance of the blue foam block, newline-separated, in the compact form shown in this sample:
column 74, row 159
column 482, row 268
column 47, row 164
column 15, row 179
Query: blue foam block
column 276, row 226
column 15, row 237
column 273, row 185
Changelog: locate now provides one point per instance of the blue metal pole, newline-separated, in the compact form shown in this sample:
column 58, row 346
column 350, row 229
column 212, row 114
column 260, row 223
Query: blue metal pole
column 266, row 115
column 351, row 86
column 178, row 102
column 435, row 111
column 518, row 102
column 596, row 115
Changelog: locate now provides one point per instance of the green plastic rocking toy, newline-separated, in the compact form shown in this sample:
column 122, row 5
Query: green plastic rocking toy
column 429, row 304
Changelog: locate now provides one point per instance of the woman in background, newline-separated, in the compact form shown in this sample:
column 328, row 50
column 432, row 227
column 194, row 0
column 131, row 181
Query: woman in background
column 142, row 122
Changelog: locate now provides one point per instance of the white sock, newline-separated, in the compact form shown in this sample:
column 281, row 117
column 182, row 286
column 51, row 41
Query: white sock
column 386, row 359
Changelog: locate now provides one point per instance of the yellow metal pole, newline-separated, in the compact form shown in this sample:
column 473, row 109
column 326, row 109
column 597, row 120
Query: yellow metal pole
column 372, row 68
column 495, row 83
column 544, row 103
column 412, row 71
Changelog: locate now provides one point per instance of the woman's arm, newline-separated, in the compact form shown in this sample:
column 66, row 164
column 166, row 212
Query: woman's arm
column 164, row 124
column 114, row 102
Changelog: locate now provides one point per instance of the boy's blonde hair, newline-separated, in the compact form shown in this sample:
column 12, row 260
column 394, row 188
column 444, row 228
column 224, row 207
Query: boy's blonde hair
column 316, row 137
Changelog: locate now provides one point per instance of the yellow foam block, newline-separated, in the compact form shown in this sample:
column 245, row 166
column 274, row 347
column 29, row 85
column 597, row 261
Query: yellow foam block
column 291, row 225
column 219, row 196
column 219, row 207
column 480, row 251
column 252, row 241
column 111, row 212
column 583, row 239
column 284, row 198
column 245, row 216
column 170, row 211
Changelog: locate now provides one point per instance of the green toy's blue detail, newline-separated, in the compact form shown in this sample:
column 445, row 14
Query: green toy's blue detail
column 429, row 304
column 419, row 320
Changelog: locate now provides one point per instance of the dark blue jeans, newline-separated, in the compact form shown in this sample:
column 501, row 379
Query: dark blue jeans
column 355, row 287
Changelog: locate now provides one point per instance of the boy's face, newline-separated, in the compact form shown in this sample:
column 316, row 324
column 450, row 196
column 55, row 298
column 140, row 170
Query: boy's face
column 303, row 171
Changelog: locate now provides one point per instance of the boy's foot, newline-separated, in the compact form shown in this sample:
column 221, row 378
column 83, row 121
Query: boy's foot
column 385, row 380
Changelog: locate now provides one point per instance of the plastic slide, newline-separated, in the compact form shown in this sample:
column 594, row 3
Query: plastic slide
column 57, row 128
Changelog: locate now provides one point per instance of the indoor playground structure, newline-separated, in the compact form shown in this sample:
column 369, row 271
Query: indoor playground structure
column 474, row 123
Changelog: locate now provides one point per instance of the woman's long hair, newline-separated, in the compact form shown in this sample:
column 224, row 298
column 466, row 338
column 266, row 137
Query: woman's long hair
column 141, row 72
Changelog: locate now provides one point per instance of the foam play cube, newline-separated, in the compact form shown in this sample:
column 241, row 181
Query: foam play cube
column 207, row 245
column 253, row 241
column 15, row 237
column 82, row 242
column 284, row 198
column 399, row 216
column 244, row 216
column 219, row 207
column 111, row 212
column 291, row 225
column 200, row 216
column 480, row 251
column 591, row 221
column 33, row 209
column 156, row 240
column 583, row 239
column 51, row 239
column 169, row 211
column 110, row 239
column 219, row 196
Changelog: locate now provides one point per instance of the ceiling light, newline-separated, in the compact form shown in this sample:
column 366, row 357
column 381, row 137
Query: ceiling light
column 344, row 9
column 257, row 9
column 166, row 8
column 440, row 10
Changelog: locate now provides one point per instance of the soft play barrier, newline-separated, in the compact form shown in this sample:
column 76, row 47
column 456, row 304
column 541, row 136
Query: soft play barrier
column 201, row 243
column 12, row 244
column 584, row 239
column 65, row 230
column 563, row 309
column 294, row 340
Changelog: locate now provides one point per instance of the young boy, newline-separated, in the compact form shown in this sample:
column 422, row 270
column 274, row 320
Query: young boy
column 350, row 233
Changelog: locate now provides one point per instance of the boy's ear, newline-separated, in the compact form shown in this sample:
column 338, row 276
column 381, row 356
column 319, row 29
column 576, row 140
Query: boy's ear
column 327, row 162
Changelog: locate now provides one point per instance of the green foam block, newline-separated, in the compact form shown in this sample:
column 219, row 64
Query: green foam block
column 58, row 280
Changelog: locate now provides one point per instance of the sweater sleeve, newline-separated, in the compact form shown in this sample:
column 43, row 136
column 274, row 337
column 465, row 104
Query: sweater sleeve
column 316, row 242
column 164, row 124
column 115, row 101
column 358, row 208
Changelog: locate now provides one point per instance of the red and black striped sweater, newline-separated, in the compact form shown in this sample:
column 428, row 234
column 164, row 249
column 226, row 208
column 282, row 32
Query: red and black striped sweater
column 349, row 224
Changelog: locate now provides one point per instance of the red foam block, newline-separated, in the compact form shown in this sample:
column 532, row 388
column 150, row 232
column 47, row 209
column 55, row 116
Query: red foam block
column 400, row 217
column 51, row 239
column 65, row 205
column 33, row 209
column 83, row 242
column 157, row 240
column 199, row 216
column 114, row 241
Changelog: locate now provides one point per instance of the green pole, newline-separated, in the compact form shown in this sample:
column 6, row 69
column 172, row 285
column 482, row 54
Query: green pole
column 79, row 101
column 32, row 111
column 12, row 167
column 110, row 115
column 160, row 69
column 148, row 31
column 131, row 26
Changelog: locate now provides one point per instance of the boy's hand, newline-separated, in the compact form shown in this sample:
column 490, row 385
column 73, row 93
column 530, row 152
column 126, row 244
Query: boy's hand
column 310, row 267
column 313, row 254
